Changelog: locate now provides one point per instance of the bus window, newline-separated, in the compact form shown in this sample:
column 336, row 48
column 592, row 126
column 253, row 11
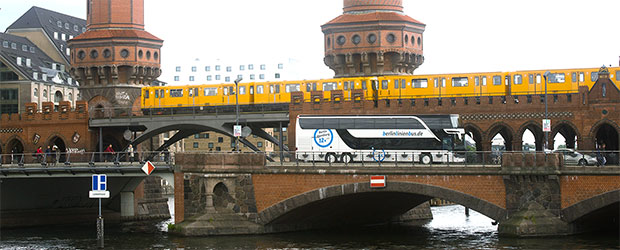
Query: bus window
column 531, row 78
column 292, row 87
column 242, row 90
column 146, row 94
column 477, row 81
column 497, row 80
column 260, row 89
column 210, row 91
column 518, row 79
column 447, row 143
column 460, row 82
column 594, row 76
column 557, row 78
column 384, row 84
column 419, row 83
column 573, row 77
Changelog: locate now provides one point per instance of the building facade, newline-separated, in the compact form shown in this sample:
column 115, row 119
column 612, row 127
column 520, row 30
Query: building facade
column 216, row 142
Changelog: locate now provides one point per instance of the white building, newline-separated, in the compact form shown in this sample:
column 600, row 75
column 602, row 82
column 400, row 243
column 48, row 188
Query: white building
column 200, row 71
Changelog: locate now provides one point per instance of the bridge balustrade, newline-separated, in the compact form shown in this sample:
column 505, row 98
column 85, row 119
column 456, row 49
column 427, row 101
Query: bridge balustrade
column 67, row 159
column 162, row 110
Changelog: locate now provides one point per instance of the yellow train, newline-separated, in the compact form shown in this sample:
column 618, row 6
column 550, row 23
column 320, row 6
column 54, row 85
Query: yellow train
column 528, row 82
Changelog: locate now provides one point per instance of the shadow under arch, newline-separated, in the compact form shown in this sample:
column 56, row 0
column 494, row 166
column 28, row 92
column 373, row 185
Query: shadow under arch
column 590, row 205
column 393, row 200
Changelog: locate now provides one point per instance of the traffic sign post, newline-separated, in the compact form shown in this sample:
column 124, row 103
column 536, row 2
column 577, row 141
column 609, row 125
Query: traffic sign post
column 99, row 190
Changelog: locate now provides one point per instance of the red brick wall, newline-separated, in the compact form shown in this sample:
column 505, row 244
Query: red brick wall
column 271, row 189
column 578, row 188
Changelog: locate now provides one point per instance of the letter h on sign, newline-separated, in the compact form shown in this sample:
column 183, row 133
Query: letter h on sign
column 99, row 182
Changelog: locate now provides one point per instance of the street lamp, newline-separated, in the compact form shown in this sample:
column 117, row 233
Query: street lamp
column 236, row 130
column 546, row 75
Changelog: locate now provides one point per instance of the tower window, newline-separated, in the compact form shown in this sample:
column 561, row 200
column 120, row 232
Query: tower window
column 94, row 54
column 124, row 53
column 372, row 38
column 391, row 38
column 356, row 39
column 81, row 55
column 341, row 40
column 107, row 53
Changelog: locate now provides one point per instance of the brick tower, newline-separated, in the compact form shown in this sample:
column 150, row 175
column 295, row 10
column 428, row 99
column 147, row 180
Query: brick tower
column 373, row 37
column 115, row 57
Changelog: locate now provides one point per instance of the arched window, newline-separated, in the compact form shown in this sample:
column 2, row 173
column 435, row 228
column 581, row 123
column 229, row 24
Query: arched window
column 45, row 93
column 58, row 96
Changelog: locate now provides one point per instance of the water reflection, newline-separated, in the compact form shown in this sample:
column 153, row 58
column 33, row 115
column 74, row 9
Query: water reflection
column 450, row 229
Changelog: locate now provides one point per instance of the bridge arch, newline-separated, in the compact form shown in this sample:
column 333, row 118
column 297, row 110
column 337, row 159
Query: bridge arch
column 476, row 134
column 568, row 130
column 585, row 207
column 606, row 131
column 536, row 129
column 364, row 203
column 505, row 131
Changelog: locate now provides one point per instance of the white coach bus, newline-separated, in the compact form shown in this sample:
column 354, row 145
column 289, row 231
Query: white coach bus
column 379, row 138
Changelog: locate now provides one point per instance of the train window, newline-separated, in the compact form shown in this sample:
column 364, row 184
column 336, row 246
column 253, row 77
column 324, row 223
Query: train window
column 146, row 94
column 231, row 90
column 460, row 82
column 538, row 79
column 242, row 90
column 557, row 78
column 582, row 77
column 292, row 87
column 419, row 83
column 436, row 82
column 594, row 76
column 314, row 86
column 364, row 85
column 328, row 86
column 251, row 90
column 270, row 89
column 403, row 83
column 384, row 84
column 191, row 92
column 518, row 79
column 176, row 93
column 210, row 91
column 573, row 76
column 260, row 89
column 617, row 76
column 225, row 91
column 346, row 85
column 531, row 78
column 351, row 85
column 477, row 81
column 277, row 88
column 396, row 84
column 484, row 81
column 196, row 91
column 443, row 82
column 497, row 80
column 161, row 93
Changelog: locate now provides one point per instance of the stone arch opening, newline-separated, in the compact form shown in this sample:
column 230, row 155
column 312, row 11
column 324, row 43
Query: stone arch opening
column 61, row 148
column 222, row 200
column 532, row 135
column 568, row 132
column 473, row 133
column 15, row 151
column 357, row 203
column 607, row 134
column 596, row 213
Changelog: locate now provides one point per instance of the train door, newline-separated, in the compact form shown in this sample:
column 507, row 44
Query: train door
column 251, row 93
column 191, row 96
column 507, row 85
column 480, row 83
column 159, row 94
column 374, row 83
column 439, row 84
column 225, row 96
column 146, row 95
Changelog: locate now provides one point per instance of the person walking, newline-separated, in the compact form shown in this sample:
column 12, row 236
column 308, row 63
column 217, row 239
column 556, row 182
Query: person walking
column 109, row 153
column 600, row 156
column 130, row 153
column 39, row 154
column 48, row 154
column 54, row 155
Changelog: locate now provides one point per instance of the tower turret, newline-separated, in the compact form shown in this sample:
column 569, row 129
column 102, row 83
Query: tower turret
column 373, row 37
column 115, row 57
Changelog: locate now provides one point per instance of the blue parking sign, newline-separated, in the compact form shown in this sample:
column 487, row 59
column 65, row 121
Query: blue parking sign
column 99, row 182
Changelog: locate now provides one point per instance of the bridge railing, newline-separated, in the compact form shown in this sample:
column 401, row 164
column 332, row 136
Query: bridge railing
column 162, row 110
column 91, row 158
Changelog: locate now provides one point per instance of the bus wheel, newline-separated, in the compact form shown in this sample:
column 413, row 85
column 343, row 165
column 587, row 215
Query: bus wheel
column 346, row 158
column 426, row 159
column 330, row 157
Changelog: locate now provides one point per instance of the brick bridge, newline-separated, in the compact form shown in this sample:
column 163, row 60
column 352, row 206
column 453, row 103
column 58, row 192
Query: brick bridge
column 529, row 195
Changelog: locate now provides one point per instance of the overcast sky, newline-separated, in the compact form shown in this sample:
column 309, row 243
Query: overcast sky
column 460, row 36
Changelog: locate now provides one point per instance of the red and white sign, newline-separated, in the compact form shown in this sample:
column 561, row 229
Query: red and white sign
column 377, row 181
column 148, row 168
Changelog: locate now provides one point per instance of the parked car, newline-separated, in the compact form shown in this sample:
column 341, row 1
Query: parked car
column 573, row 157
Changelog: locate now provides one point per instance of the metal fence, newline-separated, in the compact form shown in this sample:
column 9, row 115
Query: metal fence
column 91, row 158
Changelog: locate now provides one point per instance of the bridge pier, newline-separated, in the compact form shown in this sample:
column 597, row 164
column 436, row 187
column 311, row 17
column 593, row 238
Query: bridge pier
column 127, row 204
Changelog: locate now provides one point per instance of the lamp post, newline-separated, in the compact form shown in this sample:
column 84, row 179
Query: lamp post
column 236, row 128
column 546, row 75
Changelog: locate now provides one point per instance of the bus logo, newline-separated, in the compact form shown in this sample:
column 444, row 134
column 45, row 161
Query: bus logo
column 323, row 137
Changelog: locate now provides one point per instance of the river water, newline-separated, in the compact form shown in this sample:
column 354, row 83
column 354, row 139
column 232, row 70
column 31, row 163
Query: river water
column 450, row 229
